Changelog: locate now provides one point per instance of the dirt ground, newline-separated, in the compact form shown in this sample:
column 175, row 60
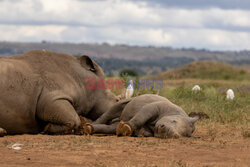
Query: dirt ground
column 220, row 146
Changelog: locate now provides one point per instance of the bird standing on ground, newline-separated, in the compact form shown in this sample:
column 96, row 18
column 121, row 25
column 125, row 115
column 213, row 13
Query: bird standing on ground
column 230, row 94
column 196, row 88
column 130, row 90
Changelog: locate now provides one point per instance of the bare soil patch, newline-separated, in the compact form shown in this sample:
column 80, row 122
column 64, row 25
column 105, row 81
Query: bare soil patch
column 220, row 146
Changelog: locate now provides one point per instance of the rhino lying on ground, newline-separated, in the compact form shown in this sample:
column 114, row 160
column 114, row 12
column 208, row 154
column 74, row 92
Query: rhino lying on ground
column 145, row 115
column 46, row 91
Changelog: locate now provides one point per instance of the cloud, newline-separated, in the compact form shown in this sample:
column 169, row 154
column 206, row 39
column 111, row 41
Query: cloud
column 191, row 4
column 114, row 12
column 131, row 22
column 29, row 33
column 206, row 38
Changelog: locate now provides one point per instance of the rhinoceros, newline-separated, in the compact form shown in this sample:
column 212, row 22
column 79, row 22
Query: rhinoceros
column 42, row 91
column 145, row 115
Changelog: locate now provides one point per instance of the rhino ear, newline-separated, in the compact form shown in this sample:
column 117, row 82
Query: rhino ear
column 194, row 119
column 87, row 63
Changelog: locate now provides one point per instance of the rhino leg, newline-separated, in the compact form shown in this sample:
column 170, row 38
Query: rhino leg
column 114, row 112
column 61, row 117
column 100, row 128
column 148, row 112
column 105, row 129
column 2, row 132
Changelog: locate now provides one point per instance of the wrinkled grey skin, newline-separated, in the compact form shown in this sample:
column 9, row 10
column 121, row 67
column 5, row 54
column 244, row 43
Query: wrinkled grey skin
column 42, row 88
column 147, row 115
column 108, row 122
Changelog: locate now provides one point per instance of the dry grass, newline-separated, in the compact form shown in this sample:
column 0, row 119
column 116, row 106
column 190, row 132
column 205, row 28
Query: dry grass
column 206, row 70
column 246, row 132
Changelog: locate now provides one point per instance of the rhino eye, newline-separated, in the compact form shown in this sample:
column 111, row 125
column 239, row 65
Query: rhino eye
column 174, row 121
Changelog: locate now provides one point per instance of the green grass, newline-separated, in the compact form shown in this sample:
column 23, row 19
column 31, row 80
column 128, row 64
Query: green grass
column 210, row 100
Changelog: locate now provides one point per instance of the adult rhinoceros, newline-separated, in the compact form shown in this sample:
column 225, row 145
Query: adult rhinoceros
column 42, row 90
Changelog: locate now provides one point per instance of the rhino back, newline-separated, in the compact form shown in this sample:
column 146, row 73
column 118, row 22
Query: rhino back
column 61, row 76
column 51, row 67
column 167, row 108
column 137, row 103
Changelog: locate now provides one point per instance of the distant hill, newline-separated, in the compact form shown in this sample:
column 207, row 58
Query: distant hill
column 206, row 70
column 145, row 60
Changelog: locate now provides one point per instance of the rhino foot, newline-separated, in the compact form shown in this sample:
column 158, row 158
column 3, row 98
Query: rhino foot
column 2, row 132
column 123, row 129
column 53, row 129
column 45, row 130
column 88, row 129
column 85, row 128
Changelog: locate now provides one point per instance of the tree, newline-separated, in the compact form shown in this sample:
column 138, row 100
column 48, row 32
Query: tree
column 128, row 72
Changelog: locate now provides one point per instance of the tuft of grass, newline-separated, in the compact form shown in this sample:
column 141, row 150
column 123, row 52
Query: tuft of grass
column 179, row 163
column 212, row 133
column 245, row 133
column 146, row 142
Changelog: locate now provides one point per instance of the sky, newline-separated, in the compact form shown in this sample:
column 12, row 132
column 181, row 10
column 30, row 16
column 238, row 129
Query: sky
column 202, row 24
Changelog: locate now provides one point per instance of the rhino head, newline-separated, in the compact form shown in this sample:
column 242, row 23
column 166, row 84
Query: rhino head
column 101, row 98
column 175, row 126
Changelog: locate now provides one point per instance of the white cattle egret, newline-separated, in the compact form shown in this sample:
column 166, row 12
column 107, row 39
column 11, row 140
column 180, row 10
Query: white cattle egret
column 230, row 94
column 158, row 92
column 196, row 88
column 130, row 90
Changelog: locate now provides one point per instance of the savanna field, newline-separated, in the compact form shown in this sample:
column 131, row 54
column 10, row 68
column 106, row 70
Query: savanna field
column 224, row 136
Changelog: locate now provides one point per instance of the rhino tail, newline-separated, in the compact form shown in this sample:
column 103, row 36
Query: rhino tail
column 3, row 132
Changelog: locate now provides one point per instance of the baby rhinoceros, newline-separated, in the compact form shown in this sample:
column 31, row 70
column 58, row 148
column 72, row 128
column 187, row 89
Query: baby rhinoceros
column 147, row 115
